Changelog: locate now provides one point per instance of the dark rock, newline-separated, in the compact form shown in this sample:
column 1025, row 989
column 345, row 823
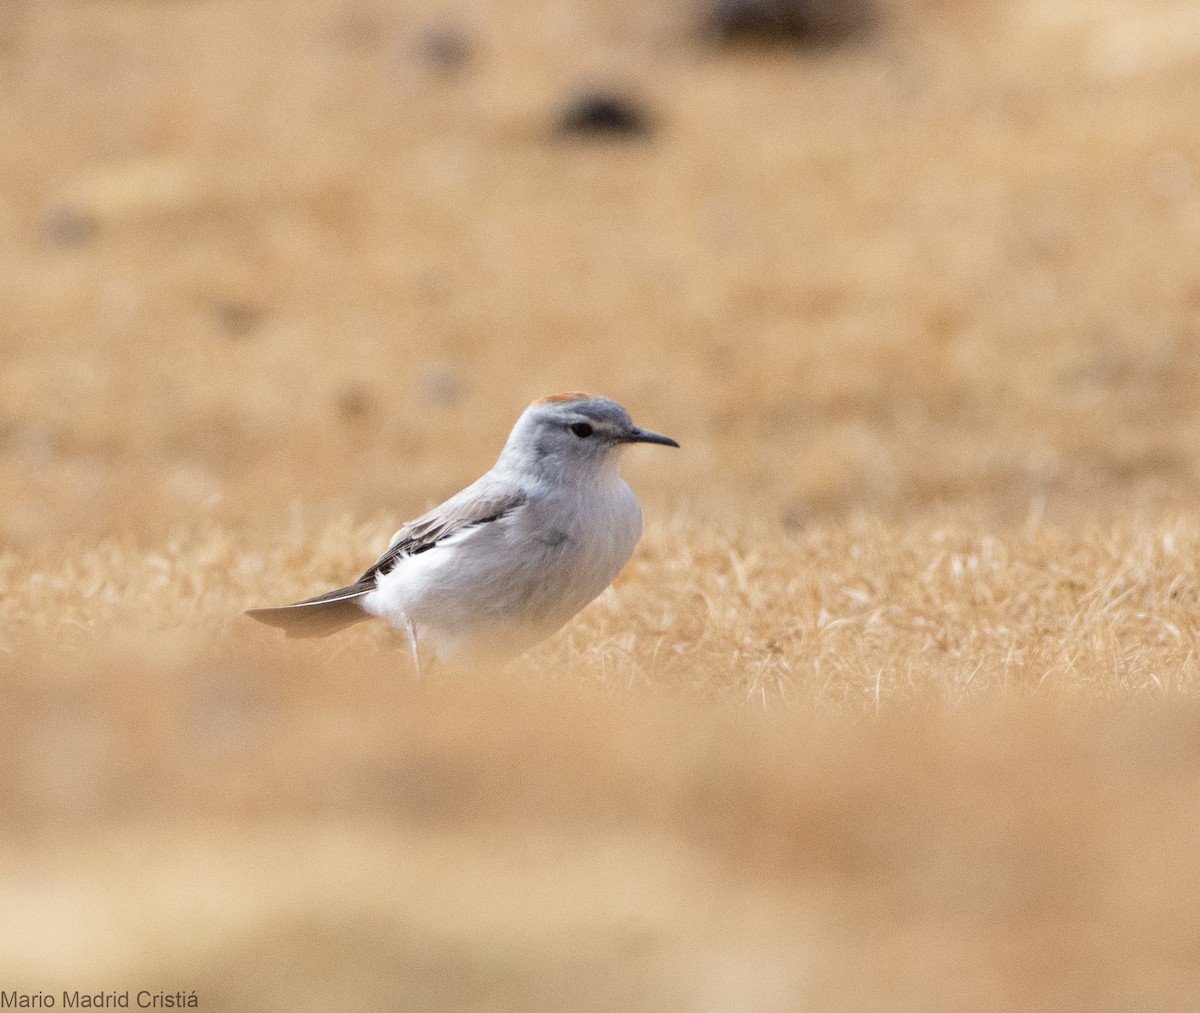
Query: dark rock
column 803, row 22
column 602, row 113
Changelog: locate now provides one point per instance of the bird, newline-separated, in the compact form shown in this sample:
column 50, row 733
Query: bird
column 509, row 560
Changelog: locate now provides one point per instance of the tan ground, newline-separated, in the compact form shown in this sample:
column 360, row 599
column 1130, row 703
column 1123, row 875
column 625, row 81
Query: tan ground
column 897, row 705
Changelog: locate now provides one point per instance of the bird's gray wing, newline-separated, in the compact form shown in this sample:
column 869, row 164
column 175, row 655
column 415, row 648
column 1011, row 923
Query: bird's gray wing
column 485, row 502
column 478, row 504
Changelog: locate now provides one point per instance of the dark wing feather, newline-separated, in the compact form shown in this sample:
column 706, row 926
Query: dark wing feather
column 335, row 610
column 455, row 515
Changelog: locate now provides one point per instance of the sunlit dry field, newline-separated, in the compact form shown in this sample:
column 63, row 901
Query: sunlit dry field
column 897, row 705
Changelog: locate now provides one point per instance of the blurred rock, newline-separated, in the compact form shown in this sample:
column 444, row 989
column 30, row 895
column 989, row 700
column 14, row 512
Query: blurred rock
column 806, row 22
column 603, row 113
column 67, row 228
column 235, row 318
column 441, row 386
column 445, row 49
column 356, row 403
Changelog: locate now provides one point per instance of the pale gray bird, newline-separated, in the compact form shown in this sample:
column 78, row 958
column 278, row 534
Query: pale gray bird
column 510, row 559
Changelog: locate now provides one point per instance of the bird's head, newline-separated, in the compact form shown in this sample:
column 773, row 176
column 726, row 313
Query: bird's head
column 574, row 434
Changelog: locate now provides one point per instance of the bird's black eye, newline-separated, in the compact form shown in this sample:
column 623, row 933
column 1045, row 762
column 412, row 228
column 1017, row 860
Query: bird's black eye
column 582, row 429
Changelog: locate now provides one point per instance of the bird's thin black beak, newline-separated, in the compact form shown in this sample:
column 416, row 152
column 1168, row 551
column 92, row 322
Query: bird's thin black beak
column 636, row 435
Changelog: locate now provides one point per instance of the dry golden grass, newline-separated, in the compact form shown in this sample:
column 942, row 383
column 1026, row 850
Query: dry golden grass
column 859, row 766
column 896, row 707
column 860, row 615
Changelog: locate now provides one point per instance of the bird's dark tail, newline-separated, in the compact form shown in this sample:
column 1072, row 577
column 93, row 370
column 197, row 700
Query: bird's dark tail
column 320, row 616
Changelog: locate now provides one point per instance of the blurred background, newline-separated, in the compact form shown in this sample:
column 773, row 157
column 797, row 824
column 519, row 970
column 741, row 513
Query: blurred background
column 858, row 255
column 275, row 277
